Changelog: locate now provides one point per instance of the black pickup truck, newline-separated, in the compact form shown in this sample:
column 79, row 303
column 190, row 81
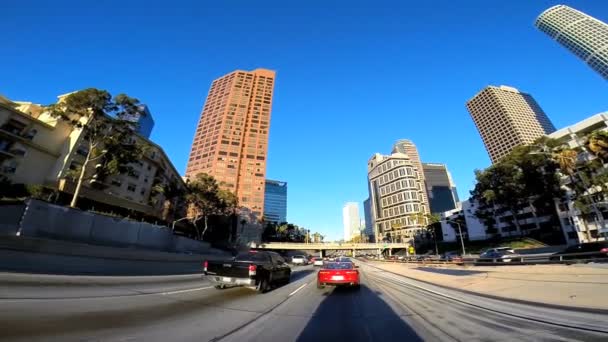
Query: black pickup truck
column 254, row 269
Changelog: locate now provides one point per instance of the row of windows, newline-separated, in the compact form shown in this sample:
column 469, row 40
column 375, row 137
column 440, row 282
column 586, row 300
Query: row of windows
column 396, row 186
column 400, row 197
column 401, row 210
column 402, row 172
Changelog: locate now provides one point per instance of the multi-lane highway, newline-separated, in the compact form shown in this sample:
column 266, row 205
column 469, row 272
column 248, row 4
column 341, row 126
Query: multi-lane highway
column 388, row 307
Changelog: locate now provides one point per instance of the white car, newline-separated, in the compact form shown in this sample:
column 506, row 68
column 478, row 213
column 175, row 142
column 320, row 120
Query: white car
column 318, row 262
column 299, row 260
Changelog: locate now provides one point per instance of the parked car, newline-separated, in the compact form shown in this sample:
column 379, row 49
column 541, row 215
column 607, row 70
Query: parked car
column 494, row 255
column 451, row 256
column 254, row 269
column 594, row 250
column 338, row 273
column 299, row 260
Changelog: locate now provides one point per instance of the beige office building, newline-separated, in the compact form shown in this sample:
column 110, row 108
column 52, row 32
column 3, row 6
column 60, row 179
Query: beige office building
column 231, row 139
column 407, row 147
column 37, row 149
column 396, row 193
column 506, row 118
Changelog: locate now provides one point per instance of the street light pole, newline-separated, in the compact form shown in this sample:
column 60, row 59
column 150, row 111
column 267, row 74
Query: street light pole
column 460, row 233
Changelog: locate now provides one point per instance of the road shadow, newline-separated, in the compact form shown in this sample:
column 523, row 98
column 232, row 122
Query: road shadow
column 297, row 275
column 349, row 314
column 448, row 271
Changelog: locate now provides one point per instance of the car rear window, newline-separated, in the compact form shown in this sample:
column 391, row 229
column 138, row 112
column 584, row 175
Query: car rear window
column 249, row 256
column 339, row 265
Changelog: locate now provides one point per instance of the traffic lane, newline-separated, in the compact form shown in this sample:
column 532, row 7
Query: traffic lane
column 455, row 320
column 32, row 286
column 205, row 312
column 335, row 314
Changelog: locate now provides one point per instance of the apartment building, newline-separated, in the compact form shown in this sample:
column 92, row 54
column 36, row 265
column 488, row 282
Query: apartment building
column 36, row 148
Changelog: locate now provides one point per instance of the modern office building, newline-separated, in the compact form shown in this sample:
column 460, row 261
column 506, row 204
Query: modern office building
column 143, row 121
column 407, row 147
column 369, row 226
column 440, row 188
column 583, row 35
column 231, row 138
column 275, row 201
column 396, row 194
column 38, row 149
column 350, row 220
column 506, row 118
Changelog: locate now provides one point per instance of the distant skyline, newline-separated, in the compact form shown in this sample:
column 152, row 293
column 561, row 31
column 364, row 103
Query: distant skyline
column 352, row 77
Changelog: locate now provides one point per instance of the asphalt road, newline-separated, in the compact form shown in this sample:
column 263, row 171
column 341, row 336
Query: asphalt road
column 387, row 307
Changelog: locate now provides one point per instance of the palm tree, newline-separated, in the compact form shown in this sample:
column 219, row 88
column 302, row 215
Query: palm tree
column 567, row 160
column 597, row 144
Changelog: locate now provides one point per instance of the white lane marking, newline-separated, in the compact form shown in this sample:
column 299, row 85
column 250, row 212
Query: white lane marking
column 188, row 290
column 298, row 289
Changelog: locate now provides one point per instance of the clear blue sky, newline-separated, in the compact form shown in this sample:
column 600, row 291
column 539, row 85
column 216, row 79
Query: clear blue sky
column 352, row 76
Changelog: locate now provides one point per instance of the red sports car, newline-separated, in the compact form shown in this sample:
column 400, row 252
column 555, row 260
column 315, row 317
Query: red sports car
column 338, row 273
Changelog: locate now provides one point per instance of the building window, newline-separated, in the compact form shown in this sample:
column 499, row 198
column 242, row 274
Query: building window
column 116, row 183
column 131, row 187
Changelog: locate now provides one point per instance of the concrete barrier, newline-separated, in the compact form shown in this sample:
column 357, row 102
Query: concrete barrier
column 34, row 255
column 40, row 219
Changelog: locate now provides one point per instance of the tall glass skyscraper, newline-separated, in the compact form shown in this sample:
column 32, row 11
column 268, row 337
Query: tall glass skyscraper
column 275, row 201
column 580, row 33
column 440, row 188
column 143, row 121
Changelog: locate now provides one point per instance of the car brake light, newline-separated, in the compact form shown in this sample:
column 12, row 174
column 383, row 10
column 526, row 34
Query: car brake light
column 205, row 264
column 604, row 250
column 352, row 272
column 252, row 270
column 323, row 272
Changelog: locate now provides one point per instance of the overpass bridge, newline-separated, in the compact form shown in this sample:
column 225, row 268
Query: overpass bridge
column 330, row 246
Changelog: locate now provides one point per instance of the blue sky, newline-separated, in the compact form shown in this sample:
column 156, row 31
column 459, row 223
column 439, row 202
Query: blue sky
column 352, row 76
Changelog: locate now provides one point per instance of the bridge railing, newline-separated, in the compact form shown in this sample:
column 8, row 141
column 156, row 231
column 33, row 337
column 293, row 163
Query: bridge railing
column 328, row 245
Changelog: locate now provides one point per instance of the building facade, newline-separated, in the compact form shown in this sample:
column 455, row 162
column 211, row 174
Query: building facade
column 470, row 226
column 396, row 194
column 38, row 149
column 506, row 118
column 582, row 34
column 579, row 227
column 369, row 225
column 440, row 188
column 350, row 220
column 409, row 148
column 231, row 138
column 275, row 201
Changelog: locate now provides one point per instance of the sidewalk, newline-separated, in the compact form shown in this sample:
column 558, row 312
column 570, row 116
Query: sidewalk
column 577, row 286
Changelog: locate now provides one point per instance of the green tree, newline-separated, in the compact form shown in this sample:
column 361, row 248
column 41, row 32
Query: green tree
column 205, row 199
column 597, row 144
column 109, row 141
column 172, row 193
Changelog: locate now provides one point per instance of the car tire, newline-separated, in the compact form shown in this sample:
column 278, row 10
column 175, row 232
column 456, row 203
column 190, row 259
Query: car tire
column 262, row 286
column 220, row 287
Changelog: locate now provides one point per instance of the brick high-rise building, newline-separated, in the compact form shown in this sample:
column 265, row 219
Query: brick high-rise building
column 506, row 118
column 231, row 139
column 578, row 32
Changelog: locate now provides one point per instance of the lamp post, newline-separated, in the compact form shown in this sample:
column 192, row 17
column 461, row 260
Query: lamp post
column 460, row 233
